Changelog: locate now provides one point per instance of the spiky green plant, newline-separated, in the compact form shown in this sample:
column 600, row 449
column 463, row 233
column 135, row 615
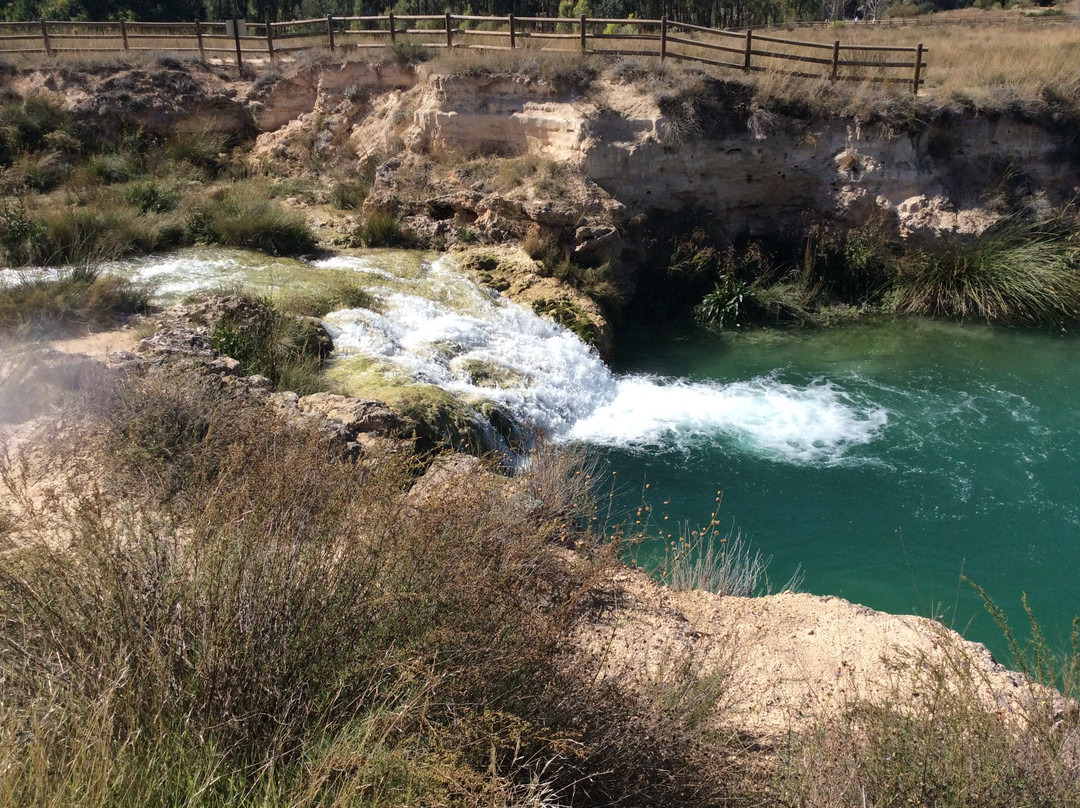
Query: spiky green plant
column 1016, row 272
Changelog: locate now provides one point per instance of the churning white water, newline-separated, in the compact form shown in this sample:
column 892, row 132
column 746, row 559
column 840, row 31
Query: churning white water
column 443, row 329
column 434, row 325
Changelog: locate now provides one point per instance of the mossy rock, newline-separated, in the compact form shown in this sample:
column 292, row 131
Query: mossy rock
column 489, row 374
column 569, row 316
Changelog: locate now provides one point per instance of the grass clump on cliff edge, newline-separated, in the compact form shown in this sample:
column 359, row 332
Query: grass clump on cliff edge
column 294, row 630
column 77, row 299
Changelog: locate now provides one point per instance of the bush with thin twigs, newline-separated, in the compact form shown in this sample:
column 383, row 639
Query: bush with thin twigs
column 704, row 560
column 293, row 630
column 931, row 740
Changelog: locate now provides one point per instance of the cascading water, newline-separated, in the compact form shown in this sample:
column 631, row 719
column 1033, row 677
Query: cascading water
column 445, row 330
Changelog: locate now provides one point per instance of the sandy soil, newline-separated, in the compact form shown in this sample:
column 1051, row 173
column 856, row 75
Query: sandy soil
column 788, row 660
column 100, row 345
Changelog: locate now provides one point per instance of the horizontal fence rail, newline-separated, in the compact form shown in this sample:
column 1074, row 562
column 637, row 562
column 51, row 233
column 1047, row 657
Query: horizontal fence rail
column 748, row 51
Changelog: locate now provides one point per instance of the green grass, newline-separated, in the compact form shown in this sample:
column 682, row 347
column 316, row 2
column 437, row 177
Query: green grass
column 243, row 216
column 78, row 299
column 380, row 229
column 287, row 349
column 1015, row 272
column 342, row 292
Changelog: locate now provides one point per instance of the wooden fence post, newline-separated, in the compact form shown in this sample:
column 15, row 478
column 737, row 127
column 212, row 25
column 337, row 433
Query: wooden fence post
column 749, row 45
column 663, row 38
column 583, row 46
column 835, row 60
column 513, row 38
column 393, row 33
column 45, row 38
column 198, row 37
column 236, row 41
column 918, row 70
column 449, row 33
column 330, row 31
column 123, row 33
column 269, row 39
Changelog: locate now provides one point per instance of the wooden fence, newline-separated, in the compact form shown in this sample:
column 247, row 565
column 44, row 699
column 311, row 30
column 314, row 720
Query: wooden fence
column 236, row 40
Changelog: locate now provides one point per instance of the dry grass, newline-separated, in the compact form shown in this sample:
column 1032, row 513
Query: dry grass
column 255, row 622
column 995, row 68
column 930, row 739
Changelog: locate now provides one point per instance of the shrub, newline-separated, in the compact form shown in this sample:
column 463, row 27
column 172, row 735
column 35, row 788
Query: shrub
column 349, row 194
column 115, row 167
column 80, row 235
column 931, row 741
column 407, row 52
column 200, row 149
column 294, row 630
column 42, row 172
column 26, row 124
column 1015, row 272
column 380, row 229
column 152, row 196
column 287, row 350
column 242, row 216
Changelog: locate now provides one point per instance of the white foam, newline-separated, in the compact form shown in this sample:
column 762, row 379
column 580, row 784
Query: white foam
column 562, row 387
column 812, row 424
column 437, row 326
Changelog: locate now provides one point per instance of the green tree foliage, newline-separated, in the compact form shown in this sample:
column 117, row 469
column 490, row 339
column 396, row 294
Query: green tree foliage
column 716, row 13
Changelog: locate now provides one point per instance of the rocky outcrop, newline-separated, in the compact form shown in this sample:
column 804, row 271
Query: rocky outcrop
column 165, row 97
column 754, row 171
column 355, row 427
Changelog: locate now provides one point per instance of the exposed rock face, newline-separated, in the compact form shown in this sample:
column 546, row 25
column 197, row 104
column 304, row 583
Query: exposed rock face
column 166, row 97
column 755, row 172
column 353, row 426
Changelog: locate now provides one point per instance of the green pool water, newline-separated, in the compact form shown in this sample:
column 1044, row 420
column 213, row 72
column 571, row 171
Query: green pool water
column 975, row 468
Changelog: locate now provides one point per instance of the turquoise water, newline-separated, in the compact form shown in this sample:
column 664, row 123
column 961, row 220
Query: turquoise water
column 975, row 467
